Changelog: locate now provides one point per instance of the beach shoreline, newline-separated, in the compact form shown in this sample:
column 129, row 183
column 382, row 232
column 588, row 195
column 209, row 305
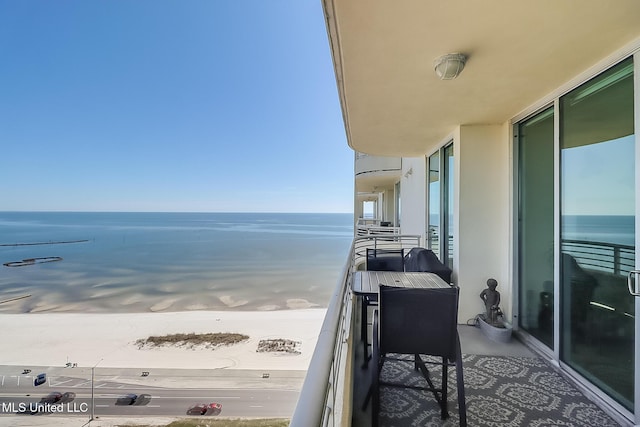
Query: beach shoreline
column 109, row 340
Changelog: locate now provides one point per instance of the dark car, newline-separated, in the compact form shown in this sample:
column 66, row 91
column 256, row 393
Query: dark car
column 133, row 399
column 56, row 397
column 205, row 409
column 53, row 397
column 40, row 379
column 68, row 397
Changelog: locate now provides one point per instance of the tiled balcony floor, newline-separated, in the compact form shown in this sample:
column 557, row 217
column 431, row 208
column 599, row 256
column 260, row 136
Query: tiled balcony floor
column 506, row 385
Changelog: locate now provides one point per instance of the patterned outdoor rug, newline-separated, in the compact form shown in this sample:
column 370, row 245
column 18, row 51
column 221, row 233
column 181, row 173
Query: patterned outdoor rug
column 500, row 392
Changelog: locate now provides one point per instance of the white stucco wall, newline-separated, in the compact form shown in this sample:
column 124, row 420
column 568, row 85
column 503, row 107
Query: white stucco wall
column 481, row 222
column 413, row 197
column 388, row 207
column 482, row 209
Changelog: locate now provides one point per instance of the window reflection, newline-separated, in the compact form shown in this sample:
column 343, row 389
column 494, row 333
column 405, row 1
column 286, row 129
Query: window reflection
column 597, row 183
column 535, row 252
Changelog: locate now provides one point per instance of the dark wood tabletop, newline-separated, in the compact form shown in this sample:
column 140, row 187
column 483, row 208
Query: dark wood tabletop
column 368, row 282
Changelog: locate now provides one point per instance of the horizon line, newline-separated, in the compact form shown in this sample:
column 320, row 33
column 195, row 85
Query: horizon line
column 148, row 211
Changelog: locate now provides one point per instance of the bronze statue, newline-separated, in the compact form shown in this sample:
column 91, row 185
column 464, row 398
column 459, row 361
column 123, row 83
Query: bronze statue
column 491, row 299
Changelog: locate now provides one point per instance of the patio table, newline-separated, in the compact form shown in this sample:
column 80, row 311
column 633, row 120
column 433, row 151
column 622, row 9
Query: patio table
column 366, row 284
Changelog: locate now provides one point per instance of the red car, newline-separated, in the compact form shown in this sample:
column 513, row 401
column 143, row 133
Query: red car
column 205, row 409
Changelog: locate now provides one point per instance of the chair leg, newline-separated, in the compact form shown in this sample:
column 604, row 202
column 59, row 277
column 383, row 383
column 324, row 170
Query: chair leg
column 462, row 404
column 375, row 406
column 440, row 394
column 363, row 332
column 378, row 360
column 374, row 386
column 444, row 413
column 363, row 318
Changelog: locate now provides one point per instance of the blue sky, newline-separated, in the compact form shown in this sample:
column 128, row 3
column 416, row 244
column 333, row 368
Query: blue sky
column 170, row 106
column 599, row 179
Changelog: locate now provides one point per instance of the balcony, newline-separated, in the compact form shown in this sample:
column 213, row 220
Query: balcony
column 365, row 164
column 374, row 227
column 375, row 173
column 507, row 384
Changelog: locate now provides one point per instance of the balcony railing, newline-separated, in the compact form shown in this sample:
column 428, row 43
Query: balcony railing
column 375, row 229
column 382, row 241
column 327, row 395
column 600, row 256
column 328, row 403
column 321, row 401
column 366, row 164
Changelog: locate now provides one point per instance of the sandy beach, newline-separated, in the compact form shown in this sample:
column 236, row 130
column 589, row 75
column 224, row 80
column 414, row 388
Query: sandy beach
column 109, row 340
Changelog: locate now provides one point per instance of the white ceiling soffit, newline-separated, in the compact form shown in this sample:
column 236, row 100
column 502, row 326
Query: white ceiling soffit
column 376, row 182
column 519, row 51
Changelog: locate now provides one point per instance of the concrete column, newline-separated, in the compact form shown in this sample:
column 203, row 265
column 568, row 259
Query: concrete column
column 413, row 201
column 482, row 206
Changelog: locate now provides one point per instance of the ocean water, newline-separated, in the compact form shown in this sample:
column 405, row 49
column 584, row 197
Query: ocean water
column 139, row 262
column 616, row 229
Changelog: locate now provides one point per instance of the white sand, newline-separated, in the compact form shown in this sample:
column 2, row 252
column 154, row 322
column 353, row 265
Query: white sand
column 55, row 339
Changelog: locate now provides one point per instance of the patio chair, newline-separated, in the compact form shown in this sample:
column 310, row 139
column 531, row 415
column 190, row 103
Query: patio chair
column 418, row 322
column 385, row 259
column 378, row 260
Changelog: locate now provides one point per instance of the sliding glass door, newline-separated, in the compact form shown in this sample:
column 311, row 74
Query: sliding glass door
column 576, row 245
column 536, row 225
column 597, row 232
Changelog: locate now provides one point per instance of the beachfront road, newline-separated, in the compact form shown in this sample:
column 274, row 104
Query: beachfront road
column 235, row 403
column 172, row 392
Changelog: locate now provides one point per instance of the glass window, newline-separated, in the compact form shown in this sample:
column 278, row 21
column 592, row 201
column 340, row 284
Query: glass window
column 535, row 223
column 447, row 213
column 398, row 206
column 597, row 204
column 369, row 210
column 440, row 217
column 434, row 203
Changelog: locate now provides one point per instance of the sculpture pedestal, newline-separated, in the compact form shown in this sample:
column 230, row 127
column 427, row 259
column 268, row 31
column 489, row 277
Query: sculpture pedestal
column 495, row 333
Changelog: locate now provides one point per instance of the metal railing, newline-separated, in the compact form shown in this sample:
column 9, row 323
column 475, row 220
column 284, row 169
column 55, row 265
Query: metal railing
column 322, row 398
column 366, row 230
column 601, row 256
column 325, row 398
column 395, row 241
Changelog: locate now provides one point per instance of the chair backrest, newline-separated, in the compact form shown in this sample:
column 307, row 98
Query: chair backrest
column 421, row 259
column 422, row 321
column 385, row 259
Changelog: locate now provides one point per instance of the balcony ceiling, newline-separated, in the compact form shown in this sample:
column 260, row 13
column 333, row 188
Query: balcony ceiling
column 376, row 182
column 519, row 51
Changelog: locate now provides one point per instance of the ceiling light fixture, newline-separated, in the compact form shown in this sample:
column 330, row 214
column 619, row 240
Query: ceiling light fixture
column 449, row 66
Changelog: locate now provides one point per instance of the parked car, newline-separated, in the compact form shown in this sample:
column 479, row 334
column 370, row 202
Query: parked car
column 40, row 379
column 205, row 409
column 133, row 399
